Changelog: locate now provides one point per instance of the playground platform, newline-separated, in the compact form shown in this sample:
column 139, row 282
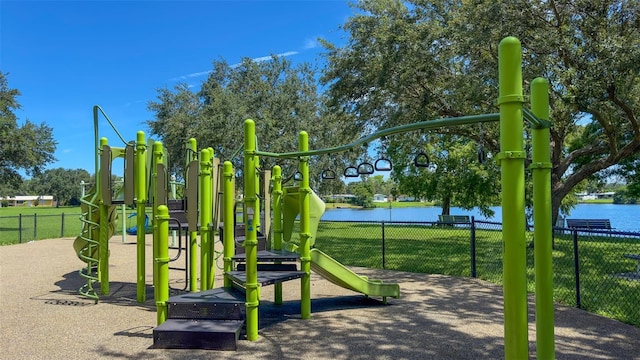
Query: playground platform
column 437, row 317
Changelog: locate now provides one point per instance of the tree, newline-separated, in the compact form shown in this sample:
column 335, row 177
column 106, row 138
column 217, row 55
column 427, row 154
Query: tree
column 447, row 170
column 363, row 193
column 282, row 99
column 63, row 184
column 408, row 61
column 29, row 147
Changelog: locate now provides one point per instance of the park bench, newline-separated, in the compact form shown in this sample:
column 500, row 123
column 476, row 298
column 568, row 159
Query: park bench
column 591, row 224
column 453, row 219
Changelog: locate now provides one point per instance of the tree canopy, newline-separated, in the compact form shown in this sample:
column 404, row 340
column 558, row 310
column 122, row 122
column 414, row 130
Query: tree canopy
column 282, row 100
column 63, row 184
column 408, row 61
column 29, row 147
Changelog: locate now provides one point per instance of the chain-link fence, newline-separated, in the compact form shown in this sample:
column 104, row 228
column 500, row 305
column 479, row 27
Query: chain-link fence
column 23, row 228
column 595, row 270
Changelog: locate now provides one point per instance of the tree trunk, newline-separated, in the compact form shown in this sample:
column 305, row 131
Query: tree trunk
column 446, row 205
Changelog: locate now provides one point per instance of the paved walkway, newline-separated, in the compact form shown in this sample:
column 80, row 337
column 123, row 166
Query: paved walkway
column 437, row 317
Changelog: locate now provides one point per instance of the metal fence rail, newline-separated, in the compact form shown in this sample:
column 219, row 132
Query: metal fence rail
column 593, row 269
column 23, row 228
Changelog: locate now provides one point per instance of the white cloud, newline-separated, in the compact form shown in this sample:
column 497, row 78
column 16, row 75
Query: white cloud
column 310, row 43
column 258, row 59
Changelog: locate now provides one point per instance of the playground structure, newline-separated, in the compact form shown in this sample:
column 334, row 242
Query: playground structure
column 248, row 271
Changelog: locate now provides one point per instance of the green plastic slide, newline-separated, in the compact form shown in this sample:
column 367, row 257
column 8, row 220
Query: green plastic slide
column 332, row 270
column 322, row 263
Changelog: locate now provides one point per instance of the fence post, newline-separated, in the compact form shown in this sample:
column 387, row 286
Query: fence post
column 35, row 226
column 473, row 247
column 383, row 252
column 62, row 226
column 576, row 266
column 20, row 228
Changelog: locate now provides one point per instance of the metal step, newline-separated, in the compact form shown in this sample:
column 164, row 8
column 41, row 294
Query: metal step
column 214, row 304
column 269, row 255
column 266, row 277
column 198, row 334
column 270, row 267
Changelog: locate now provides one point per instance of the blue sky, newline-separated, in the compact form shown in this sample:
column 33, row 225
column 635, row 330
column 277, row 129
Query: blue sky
column 67, row 56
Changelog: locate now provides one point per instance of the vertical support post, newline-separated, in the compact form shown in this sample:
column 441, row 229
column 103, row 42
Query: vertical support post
column 103, row 252
column 210, row 204
column 62, row 226
column 542, row 227
column 140, row 178
column 205, row 219
column 157, row 159
column 228, row 218
column 123, row 209
column 512, row 158
column 277, row 223
column 384, row 255
column 192, row 149
column 251, row 239
column 576, row 267
column 162, row 262
column 305, row 232
column 473, row 247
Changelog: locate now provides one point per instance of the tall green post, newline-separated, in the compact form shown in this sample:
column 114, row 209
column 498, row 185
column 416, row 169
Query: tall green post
column 192, row 149
column 277, row 223
column 205, row 219
column 251, row 239
column 305, row 230
column 140, row 178
column 228, row 218
column 211, row 271
column 512, row 158
column 158, row 156
column 103, row 252
column 542, row 220
column 162, row 262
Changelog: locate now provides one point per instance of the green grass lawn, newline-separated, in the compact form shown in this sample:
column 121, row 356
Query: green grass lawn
column 437, row 250
column 40, row 222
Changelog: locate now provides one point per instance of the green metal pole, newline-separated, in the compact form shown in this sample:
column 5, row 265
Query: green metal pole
column 157, row 159
column 162, row 262
column 211, row 271
column 277, row 223
column 542, row 226
column 205, row 218
column 305, row 232
column 228, row 240
column 103, row 263
column 511, row 159
column 251, row 240
column 192, row 149
column 140, row 178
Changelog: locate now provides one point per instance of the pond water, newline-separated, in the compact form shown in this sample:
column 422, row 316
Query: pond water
column 623, row 217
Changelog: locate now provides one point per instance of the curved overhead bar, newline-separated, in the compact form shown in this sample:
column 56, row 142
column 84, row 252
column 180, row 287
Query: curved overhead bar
column 429, row 124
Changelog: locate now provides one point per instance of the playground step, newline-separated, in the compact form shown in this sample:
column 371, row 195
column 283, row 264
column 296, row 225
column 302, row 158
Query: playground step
column 265, row 277
column 270, row 267
column 198, row 334
column 214, row 304
column 269, row 256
